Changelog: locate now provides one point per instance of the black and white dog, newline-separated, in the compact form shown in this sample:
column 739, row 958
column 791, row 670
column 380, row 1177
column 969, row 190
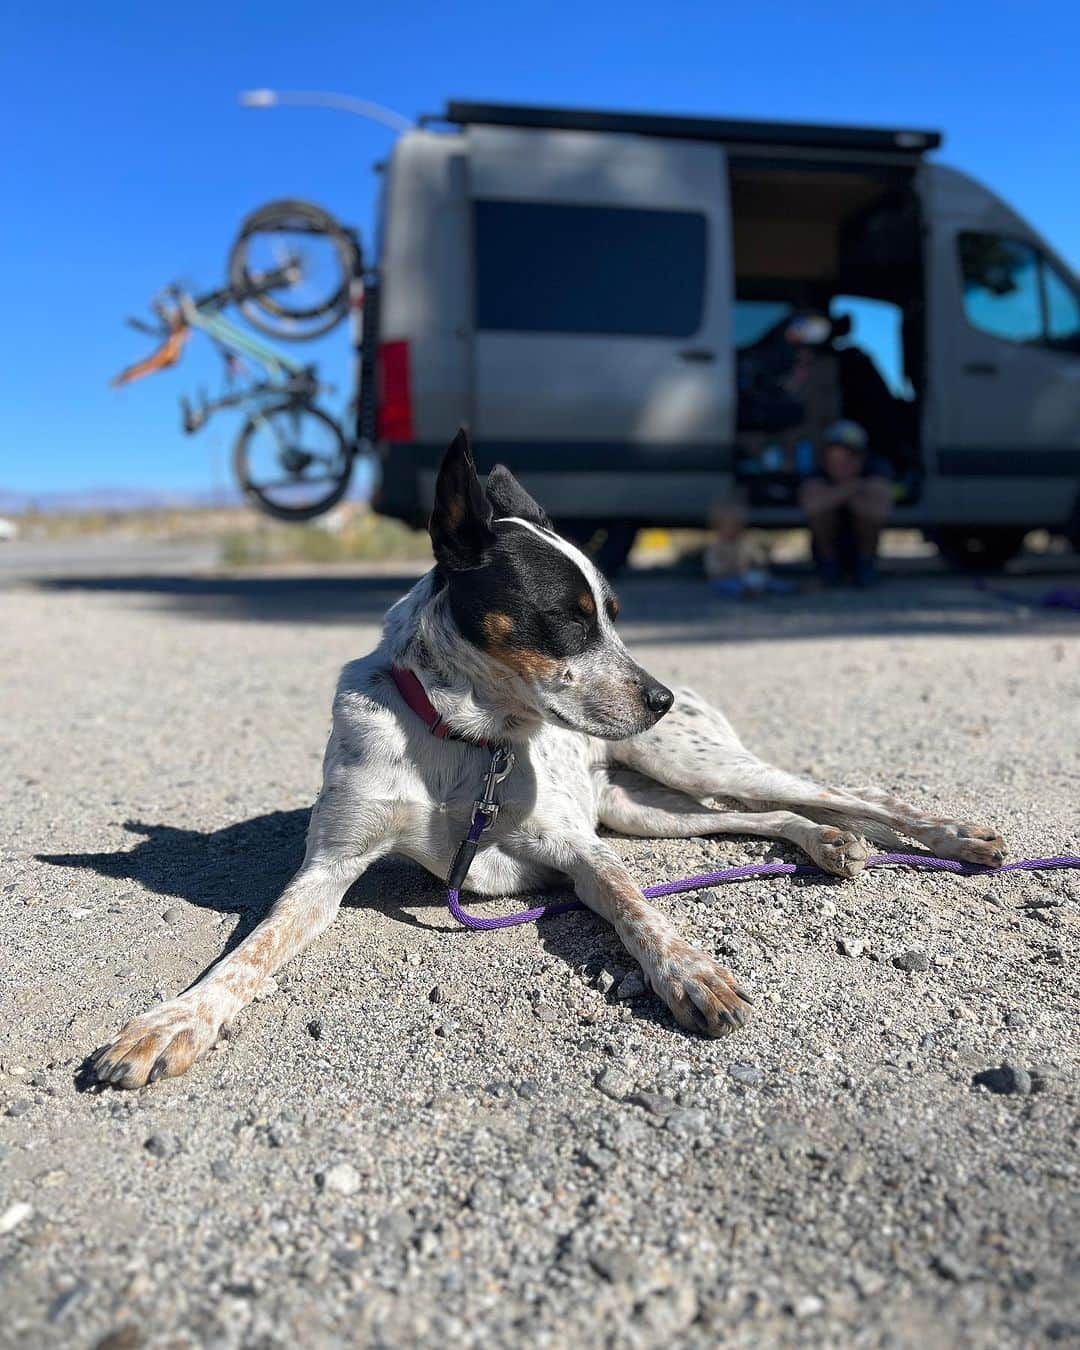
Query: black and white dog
column 510, row 640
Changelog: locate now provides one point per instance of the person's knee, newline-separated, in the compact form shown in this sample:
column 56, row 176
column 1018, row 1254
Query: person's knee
column 872, row 502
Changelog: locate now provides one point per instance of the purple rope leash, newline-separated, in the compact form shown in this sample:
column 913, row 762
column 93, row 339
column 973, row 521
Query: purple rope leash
column 777, row 869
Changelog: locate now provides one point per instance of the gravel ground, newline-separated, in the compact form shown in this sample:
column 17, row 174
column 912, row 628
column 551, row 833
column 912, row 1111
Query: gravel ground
column 430, row 1137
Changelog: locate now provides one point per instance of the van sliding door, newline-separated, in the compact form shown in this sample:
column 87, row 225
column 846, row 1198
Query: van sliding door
column 602, row 300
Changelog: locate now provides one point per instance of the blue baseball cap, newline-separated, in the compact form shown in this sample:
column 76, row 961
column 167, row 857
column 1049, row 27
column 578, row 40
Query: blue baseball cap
column 846, row 432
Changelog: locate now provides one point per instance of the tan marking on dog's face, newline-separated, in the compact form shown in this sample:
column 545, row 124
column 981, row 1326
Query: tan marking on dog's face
column 586, row 603
column 497, row 627
column 530, row 664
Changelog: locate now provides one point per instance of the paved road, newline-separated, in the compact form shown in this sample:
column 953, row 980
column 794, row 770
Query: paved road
column 426, row 1137
column 102, row 555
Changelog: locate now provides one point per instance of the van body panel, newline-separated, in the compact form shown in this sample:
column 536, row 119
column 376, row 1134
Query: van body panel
column 423, row 291
column 647, row 389
column 1003, row 415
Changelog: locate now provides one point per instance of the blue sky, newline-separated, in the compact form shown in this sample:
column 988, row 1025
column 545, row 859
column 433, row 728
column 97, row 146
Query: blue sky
column 128, row 163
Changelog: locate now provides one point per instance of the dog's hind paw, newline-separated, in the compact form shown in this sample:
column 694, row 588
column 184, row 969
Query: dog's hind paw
column 967, row 843
column 838, row 851
column 162, row 1043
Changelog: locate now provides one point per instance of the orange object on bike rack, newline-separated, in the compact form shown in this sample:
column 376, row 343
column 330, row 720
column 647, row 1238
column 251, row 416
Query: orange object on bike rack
column 166, row 355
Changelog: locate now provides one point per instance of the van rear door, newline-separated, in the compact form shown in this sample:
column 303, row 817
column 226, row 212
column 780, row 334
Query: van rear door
column 602, row 300
column 1004, row 355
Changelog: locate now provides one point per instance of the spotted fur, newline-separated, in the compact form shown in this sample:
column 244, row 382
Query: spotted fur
column 512, row 634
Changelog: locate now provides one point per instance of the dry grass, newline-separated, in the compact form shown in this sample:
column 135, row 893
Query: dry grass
column 348, row 534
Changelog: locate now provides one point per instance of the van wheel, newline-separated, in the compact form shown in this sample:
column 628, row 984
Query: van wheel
column 607, row 542
column 977, row 550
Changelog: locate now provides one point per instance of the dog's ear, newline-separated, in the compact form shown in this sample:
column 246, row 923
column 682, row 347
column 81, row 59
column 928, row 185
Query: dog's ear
column 509, row 498
column 460, row 525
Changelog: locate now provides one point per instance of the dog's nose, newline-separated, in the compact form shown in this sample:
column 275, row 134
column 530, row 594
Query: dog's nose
column 658, row 699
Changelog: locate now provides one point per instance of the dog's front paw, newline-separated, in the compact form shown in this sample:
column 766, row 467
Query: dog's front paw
column 968, row 843
column 837, row 851
column 160, row 1044
column 703, row 995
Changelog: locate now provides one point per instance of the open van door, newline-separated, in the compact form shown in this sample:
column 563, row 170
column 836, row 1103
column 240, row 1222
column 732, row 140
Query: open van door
column 602, row 302
column 1004, row 358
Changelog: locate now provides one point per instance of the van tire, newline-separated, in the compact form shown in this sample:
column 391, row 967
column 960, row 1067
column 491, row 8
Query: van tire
column 606, row 542
column 974, row 550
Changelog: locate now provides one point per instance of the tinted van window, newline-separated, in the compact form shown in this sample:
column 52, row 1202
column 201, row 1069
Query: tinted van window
column 1012, row 291
column 1062, row 310
column 545, row 268
column 1001, row 286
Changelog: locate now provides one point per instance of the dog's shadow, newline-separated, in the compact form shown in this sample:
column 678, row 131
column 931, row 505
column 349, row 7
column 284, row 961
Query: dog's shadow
column 242, row 868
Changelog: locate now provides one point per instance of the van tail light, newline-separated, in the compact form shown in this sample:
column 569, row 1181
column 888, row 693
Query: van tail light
column 394, row 419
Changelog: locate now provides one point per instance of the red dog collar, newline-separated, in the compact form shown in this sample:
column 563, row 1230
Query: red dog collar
column 415, row 695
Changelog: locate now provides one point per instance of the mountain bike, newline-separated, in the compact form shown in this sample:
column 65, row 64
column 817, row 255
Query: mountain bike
column 291, row 459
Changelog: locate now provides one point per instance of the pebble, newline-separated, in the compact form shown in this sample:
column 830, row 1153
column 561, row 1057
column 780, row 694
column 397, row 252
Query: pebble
column 1006, row 1080
column 632, row 985
column 603, row 1159
column 436, row 995
column 127, row 1337
column 949, row 1268
column 162, row 1145
column 605, row 982
column 912, row 961
column 173, row 914
column 615, row 1084
column 808, row 1306
column 850, row 946
column 221, row 1169
column 315, row 1028
column 615, row 1266
column 485, row 1196
column 20, row 1107
column 14, row 1215
column 653, row 1102
column 67, row 1302
column 750, row 1075
column 1015, row 1018
column 545, row 1013
column 342, row 1179
column 396, row 1228
column 686, row 1121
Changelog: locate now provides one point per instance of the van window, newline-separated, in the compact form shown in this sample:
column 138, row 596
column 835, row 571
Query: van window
column 1011, row 291
column 545, row 268
column 1062, row 310
column 752, row 319
column 1001, row 287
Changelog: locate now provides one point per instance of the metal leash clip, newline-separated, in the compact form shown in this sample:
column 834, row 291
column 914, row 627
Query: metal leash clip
column 502, row 761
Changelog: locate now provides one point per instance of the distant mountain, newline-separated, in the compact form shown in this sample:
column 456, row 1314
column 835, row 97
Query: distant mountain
column 112, row 499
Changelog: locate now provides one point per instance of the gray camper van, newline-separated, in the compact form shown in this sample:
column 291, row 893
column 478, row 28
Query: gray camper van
column 591, row 292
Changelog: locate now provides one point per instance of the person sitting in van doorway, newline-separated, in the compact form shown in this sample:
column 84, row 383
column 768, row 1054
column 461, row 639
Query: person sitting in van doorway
column 847, row 500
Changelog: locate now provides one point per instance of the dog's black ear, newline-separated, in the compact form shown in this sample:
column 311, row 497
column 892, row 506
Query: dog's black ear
column 460, row 525
column 509, row 498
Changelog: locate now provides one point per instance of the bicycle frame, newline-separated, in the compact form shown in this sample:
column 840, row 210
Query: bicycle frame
column 206, row 317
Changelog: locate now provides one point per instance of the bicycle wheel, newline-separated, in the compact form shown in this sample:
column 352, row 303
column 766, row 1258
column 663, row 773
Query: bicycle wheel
column 292, row 461
column 328, row 259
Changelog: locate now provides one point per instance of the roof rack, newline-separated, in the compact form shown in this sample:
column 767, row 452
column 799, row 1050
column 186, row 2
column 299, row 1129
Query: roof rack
column 801, row 134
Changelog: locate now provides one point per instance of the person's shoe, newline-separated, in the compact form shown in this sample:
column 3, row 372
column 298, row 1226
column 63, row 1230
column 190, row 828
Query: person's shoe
column 830, row 573
column 866, row 573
